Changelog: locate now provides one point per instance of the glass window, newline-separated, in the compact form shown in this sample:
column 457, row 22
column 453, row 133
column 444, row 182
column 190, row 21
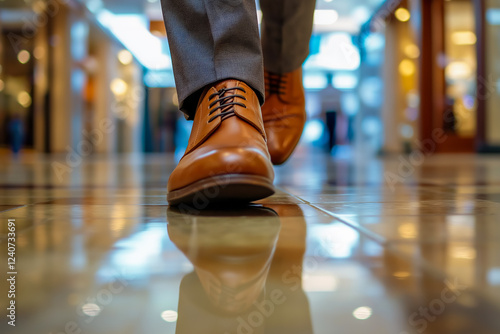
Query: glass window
column 492, row 81
column 460, row 63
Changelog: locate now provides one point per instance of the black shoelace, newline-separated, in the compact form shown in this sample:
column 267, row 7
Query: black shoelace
column 275, row 83
column 226, row 102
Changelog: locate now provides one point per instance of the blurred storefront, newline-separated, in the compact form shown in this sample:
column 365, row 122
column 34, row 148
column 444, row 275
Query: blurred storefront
column 489, row 74
column 440, row 74
column 71, row 84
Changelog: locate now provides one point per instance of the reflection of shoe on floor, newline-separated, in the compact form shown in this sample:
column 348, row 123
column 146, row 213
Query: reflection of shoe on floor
column 291, row 245
column 285, row 274
column 284, row 113
column 227, row 157
column 231, row 252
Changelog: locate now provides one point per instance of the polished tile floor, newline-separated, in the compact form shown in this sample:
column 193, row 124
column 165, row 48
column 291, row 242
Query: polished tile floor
column 345, row 246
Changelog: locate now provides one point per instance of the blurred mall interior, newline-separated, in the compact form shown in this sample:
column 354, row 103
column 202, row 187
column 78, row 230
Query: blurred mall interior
column 386, row 220
column 400, row 68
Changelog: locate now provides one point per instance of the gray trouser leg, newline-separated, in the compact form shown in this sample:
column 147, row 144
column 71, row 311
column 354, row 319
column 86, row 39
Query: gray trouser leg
column 286, row 31
column 213, row 40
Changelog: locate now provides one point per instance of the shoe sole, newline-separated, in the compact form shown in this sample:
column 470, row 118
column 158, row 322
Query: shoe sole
column 231, row 188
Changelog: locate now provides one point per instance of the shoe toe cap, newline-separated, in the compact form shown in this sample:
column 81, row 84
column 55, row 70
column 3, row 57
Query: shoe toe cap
column 281, row 141
column 229, row 161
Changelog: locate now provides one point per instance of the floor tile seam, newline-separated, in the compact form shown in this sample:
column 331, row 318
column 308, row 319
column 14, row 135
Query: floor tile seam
column 413, row 215
column 16, row 207
column 368, row 233
column 493, row 204
column 426, row 266
column 24, row 230
column 360, row 229
column 291, row 195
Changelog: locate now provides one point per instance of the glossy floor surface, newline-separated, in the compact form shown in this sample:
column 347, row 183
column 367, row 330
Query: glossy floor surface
column 385, row 246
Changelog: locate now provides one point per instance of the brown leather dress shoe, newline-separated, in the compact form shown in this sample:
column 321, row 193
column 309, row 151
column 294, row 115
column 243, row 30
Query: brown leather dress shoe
column 284, row 113
column 227, row 158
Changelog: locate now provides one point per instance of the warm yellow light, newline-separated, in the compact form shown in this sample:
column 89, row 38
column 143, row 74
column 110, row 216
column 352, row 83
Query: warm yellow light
column 408, row 231
column 412, row 51
column 2, row 85
column 463, row 38
column 23, row 56
column 407, row 68
column 402, row 14
column 401, row 274
column 125, row 57
column 39, row 52
column 458, row 70
column 39, row 7
column 24, row 99
column 119, row 87
column 467, row 253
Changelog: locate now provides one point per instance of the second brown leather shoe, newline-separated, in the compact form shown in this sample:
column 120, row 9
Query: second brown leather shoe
column 284, row 113
column 227, row 159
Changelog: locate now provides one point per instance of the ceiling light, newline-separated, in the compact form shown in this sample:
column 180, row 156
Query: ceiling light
column 361, row 14
column 125, row 57
column 169, row 316
column 458, row 70
column 90, row 309
column 402, row 14
column 464, row 38
column 119, row 87
column 24, row 99
column 362, row 313
column 23, row 56
column 407, row 68
column 412, row 51
column 325, row 16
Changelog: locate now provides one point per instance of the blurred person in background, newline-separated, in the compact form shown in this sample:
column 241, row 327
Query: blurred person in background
column 331, row 106
column 224, row 72
column 16, row 133
column 449, row 119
